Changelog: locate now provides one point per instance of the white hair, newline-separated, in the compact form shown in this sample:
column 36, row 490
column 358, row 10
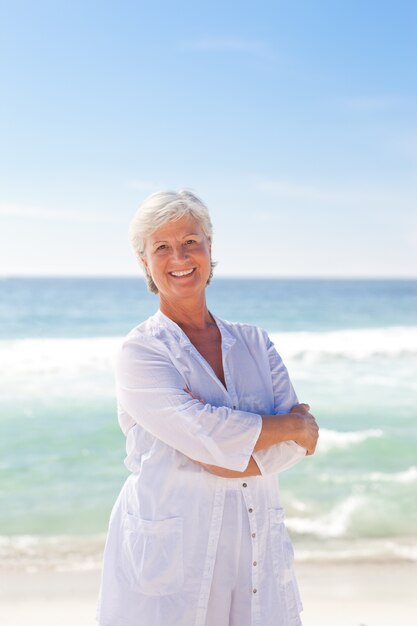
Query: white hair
column 158, row 209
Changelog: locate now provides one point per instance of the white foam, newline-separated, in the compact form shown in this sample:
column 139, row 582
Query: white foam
column 362, row 550
column 353, row 344
column 32, row 553
column 50, row 356
column 405, row 477
column 85, row 366
column 332, row 524
column 330, row 439
column 77, row 553
column 298, row 505
column 47, row 356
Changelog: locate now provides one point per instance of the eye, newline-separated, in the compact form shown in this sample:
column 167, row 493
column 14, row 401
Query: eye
column 190, row 241
column 161, row 247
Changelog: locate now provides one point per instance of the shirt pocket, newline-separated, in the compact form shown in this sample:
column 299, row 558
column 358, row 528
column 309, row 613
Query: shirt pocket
column 153, row 555
column 283, row 563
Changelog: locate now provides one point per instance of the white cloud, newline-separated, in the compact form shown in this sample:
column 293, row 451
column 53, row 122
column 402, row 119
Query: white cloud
column 39, row 213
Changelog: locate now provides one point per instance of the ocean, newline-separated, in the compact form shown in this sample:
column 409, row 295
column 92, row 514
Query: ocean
column 351, row 350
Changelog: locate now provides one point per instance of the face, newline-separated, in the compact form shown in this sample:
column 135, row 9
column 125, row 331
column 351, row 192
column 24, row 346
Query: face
column 177, row 256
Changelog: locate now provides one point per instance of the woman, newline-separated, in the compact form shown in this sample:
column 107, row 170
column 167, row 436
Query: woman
column 196, row 536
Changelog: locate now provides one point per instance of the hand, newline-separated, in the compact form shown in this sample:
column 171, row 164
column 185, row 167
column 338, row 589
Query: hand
column 307, row 430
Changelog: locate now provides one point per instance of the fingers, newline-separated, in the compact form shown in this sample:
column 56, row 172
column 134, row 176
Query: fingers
column 302, row 406
column 312, row 449
column 309, row 433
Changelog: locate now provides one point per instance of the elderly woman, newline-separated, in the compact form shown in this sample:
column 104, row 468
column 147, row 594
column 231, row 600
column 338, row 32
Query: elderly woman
column 197, row 536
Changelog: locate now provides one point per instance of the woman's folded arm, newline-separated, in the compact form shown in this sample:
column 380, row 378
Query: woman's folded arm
column 152, row 392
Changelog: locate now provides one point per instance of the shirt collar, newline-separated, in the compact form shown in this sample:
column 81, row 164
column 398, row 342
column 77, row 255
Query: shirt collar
column 227, row 338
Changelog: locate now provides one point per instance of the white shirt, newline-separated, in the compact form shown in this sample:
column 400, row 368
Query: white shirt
column 164, row 527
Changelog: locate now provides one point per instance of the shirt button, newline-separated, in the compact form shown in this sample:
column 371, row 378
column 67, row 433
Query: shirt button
column 244, row 485
column 255, row 590
column 255, row 562
column 250, row 510
column 253, row 534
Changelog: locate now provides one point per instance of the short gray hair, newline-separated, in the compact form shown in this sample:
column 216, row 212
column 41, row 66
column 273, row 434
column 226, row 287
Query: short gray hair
column 162, row 207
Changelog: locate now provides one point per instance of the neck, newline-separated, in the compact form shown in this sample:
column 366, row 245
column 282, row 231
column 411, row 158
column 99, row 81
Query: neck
column 189, row 315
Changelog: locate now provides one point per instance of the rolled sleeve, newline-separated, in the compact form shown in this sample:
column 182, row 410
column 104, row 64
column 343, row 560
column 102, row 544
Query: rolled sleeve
column 152, row 392
column 281, row 456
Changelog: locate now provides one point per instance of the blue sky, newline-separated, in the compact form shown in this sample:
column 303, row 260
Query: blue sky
column 294, row 121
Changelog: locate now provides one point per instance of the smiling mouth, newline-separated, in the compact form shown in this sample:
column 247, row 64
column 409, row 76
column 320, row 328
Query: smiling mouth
column 181, row 273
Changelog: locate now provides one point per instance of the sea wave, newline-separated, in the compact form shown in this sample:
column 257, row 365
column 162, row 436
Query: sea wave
column 353, row 344
column 405, row 477
column 71, row 355
column 331, row 439
column 66, row 553
column 54, row 356
column 369, row 550
column 330, row 525
column 32, row 553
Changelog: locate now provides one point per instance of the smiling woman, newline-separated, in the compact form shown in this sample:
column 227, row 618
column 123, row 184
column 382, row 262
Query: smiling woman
column 178, row 257
column 160, row 209
column 197, row 537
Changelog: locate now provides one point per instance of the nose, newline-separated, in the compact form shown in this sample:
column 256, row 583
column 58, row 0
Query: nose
column 179, row 252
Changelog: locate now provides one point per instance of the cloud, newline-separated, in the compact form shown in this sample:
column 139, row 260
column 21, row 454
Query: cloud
column 58, row 215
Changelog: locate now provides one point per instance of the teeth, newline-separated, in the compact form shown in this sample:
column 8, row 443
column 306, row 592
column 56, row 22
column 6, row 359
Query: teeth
column 184, row 273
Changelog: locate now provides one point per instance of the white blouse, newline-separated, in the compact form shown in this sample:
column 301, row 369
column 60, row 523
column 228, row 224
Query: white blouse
column 164, row 527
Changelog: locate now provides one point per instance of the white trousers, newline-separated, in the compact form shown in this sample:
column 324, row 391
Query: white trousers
column 231, row 589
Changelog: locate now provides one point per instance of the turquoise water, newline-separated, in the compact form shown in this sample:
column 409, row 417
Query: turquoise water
column 350, row 347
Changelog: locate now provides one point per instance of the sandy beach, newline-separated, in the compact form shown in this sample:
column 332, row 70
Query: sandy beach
column 354, row 594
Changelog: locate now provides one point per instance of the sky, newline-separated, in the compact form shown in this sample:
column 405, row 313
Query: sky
column 294, row 121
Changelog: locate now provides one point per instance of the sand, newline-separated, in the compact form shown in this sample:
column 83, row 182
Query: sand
column 362, row 594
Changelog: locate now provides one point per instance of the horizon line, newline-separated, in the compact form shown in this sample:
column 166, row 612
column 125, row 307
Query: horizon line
column 221, row 277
